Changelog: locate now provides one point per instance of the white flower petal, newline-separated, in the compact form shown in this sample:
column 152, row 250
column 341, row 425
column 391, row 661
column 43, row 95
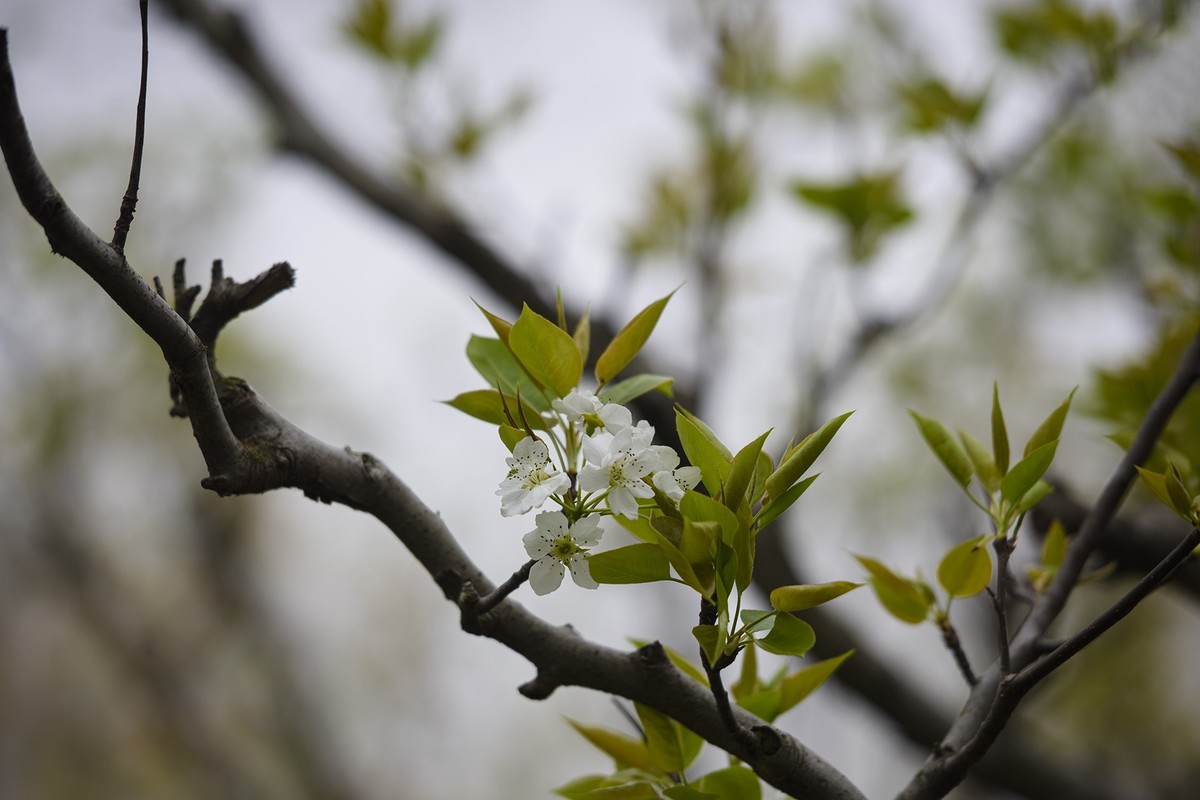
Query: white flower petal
column 587, row 532
column 537, row 544
column 581, row 573
column 546, row 575
column 623, row 501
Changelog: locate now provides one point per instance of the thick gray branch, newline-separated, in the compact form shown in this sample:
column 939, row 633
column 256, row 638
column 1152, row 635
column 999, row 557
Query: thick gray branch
column 250, row 448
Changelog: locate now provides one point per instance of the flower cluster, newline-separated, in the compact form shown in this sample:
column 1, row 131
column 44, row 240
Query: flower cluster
column 606, row 465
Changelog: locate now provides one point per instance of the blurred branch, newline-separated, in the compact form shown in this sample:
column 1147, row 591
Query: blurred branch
column 269, row 452
column 1134, row 546
column 993, row 700
column 918, row 717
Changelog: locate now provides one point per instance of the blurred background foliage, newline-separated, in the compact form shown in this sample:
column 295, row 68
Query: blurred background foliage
column 891, row 211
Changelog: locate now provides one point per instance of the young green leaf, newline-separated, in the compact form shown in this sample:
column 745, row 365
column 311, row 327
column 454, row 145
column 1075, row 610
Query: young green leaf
column 626, row 344
column 635, row 563
column 701, row 508
column 500, row 325
column 489, row 406
column 778, row 505
column 982, row 460
column 510, row 436
column 802, row 597
column 636, row 386
column 1027, row 472
column 1157, row 484
column 547, row 352
column 1033, row 496
column 757, row 621
column 741, row 473
column 499, row 367
column 711, row 639
column 625, row 750
column 999, row 432
column 901, row 597
column 804, row 682
column 967, row 568
column 793, row 467
column 1051, row 428
column 731, row 783
column 670, row 744
column 583, row 335
column 703, row 450
column 747, row 682
column 789, row 636
column 948, row 451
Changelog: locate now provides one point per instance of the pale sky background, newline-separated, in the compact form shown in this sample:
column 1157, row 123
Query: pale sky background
column 373, row 335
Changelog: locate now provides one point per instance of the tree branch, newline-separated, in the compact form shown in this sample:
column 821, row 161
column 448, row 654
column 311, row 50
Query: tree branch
column 269, row 452
column 996, row 696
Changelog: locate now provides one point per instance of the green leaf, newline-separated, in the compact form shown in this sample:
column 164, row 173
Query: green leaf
column 982, row 460
column 804, row 682
column 1027, row 472
column 802, row 597
column 731, row 783
column 583, row 335
column 1181, row 499
column 499, row 367
column 931, row 106
column 701, row 508
column 682, row 566
column 1187, row 156
column 943, row 445
column 501, row 326
column 547, row 352
column 703, row 450
column 1033, row 496
column 967, row 568
column 793, row 466
column 901, row 597
column 686, row 792
column 711, row 639
column 1054, row 548
column 636, row 386
column 869, row 206
column 747, row 682
column 1051, row 428
column 672, row 746
column 511, row 436
column 626, row 344
column 757, row 621
column 780, row 504
column 489, row 406
column 699, row 546
column 741, row 472
column 999, row 432
column 633, row 790
column 789, row 636
column 635, row 563
column 625, row 750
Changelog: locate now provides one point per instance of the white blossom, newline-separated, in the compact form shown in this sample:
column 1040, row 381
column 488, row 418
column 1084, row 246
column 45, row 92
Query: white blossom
column 531, row 478
column 583, row 404
column 556, row 544
column 616, row 465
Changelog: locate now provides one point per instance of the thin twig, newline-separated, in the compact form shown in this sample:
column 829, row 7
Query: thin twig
column 129, row 201
column 489, row 601
column 954, row 645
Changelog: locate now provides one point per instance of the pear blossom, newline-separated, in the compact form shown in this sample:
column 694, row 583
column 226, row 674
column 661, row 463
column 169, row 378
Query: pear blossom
column 583, row 404
column 671, row 479
column 555, row 543
column 531, row 478
column 616, row 465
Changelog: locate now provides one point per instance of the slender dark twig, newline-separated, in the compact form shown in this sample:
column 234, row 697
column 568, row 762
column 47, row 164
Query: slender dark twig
column 489, row 601
column 954, row 645
column 129, row 201
column 1004, row 548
